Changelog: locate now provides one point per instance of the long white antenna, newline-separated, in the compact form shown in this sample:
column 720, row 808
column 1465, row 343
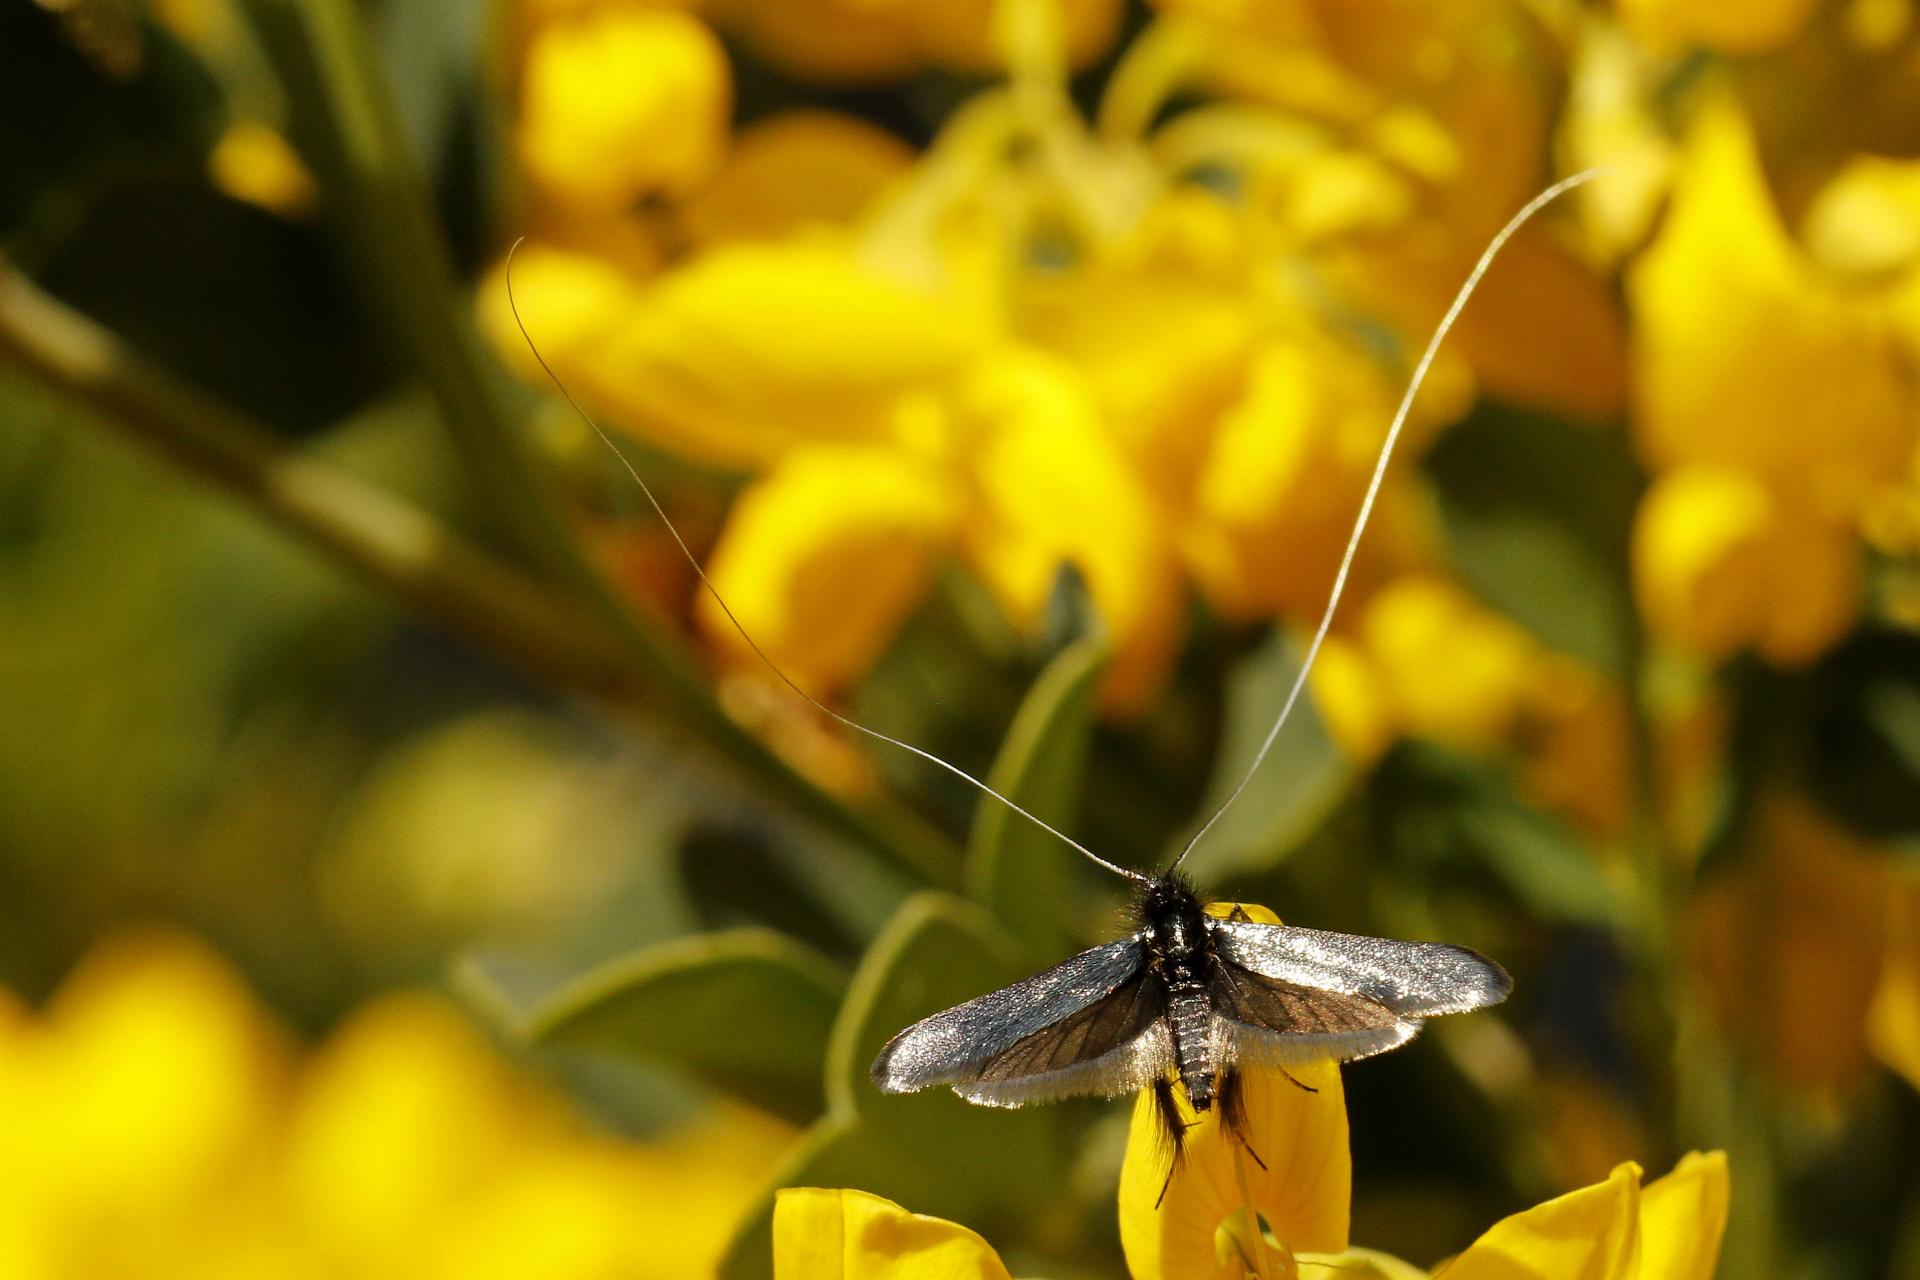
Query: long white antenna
column 1440, row 332
column 753, row 644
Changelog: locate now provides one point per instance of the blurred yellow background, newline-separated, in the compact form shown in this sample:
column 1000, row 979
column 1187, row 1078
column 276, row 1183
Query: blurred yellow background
column 407, row 870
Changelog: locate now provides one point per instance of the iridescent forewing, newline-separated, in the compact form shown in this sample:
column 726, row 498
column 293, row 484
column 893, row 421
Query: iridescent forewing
column 1091, row 1025
column 1285, row 996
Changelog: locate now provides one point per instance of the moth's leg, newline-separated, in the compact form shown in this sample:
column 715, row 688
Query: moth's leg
column 1295, row 1081
column 1239, row 915
column 1233, row 1113
column 1172, row 1126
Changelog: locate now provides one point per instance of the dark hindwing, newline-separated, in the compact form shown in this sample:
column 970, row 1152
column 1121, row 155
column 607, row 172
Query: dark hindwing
column 1090, row 1025
column 1271, row 1022
column 1113, row 1046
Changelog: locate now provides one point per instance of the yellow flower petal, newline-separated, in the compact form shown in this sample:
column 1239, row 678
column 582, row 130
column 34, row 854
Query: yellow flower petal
column 1303, row 1194
column 1699, row 564
column 1578, row 741
column 1818, row 896
column 1280, row 485
column 1814, row 588
column 1747, row 357
column 1893, row 1020
column 254, row 163
column 1610, row 120
column 1682, row 1218
column 1362, row 1264
column 828, row 40
column 1866, row 222
column 821, row 1234
column 795, row 169
column 568, row 302
column 388, row 1132
column 1163, row 354
column 753, row 349
column 620, row 102
column 963, row 33
column 1052, row 488
column 1727, row 26
column 824, row 557
column 1721, row 563
column 1348, row 694
column 1589, row 1234
column 1453, row 670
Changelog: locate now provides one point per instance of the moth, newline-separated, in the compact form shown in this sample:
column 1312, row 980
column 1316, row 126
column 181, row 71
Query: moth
column 1192, row 998
column 1187, row 998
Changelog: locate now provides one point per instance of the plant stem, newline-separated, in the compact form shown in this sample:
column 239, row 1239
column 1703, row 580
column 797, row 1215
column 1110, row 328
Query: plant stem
column 551, row 634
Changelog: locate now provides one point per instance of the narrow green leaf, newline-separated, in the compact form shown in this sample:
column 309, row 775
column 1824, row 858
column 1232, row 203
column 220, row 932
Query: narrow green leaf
column 1022, row 875
column 1298, row 785
column 1443, row 810
column 748, row 1011
column 1538, row 513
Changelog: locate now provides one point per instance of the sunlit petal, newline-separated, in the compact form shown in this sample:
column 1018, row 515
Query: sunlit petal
column 1302, row 1193
column 1750, row 358
column 1682, row 1217
column 1589, row 1234
column 821, row 1234
column 822, row 559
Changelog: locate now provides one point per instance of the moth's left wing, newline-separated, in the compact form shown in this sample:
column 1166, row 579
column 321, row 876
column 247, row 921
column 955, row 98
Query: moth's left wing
column 1091, row 1025
column 1411, row 979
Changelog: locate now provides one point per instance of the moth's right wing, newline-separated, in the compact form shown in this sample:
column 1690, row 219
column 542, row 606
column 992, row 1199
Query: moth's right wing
column 1285, row 996
column 1091, row 1025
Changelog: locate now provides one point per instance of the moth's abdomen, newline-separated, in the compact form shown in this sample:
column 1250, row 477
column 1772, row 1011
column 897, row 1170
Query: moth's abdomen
column 1190, row 1016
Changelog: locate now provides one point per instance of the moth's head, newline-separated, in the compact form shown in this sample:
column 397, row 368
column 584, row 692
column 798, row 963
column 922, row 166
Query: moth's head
column 1166, row 896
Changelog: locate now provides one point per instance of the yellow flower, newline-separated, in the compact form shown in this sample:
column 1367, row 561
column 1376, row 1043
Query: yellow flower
column 1204, row 1215
column 790, row 171
column 823, row 558
column 1747, row 357
column 569, row 302
column 1727, row 26
column 252, row 162
column 1821, row 899
column 1576, row 739
column 153, row 1115
column 752, row 349
column 621, row 102
column 1613, row 1230
column 1202, row 1228
column 1722, row 563
column 1346, row 691
column 1453, row 671
column 821, row 1234
column 870, row 41
column 1051, row 487
column 1893, row 1019
column 1276, row 495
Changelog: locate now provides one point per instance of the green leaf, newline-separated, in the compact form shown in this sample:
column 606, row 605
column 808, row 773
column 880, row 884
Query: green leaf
column 1298, row 785
column 1442, row 810
column 930, row 1151
column 1538, row 513
column 1021, row 874
column 748, row 1011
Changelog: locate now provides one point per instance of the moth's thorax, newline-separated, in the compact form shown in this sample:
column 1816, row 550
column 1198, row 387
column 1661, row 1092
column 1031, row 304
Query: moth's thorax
column 1180, row 951
column 1176, row 924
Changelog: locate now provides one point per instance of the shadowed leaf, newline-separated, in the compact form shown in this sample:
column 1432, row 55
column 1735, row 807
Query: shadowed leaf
column 746, row 1010
column 1019, row 873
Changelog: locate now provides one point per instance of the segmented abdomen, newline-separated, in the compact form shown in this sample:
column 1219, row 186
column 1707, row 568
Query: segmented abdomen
column 1191, row 1017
